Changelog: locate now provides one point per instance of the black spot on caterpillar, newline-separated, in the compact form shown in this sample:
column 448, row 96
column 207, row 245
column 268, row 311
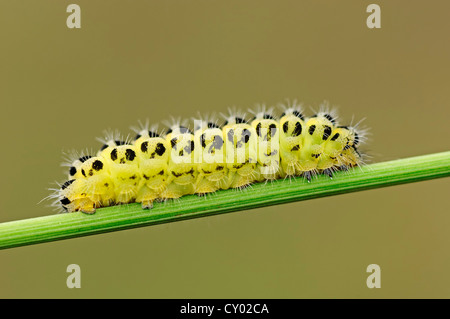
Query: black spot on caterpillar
column 298, row 129
column 326, row 132
column 65, row 201
column 84, row 158
column 130, row 154
column 72, row 170
column 160, row 149
column 97, row 165
column 66, row 184
column 335, row 136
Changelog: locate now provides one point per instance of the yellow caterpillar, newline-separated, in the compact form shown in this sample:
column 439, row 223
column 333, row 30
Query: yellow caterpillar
column 156, row 167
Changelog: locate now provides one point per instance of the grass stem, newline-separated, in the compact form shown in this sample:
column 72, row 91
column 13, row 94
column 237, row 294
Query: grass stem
column 108, row 219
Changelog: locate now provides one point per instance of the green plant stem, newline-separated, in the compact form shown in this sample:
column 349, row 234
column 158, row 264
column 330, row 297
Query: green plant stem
column 64, row 226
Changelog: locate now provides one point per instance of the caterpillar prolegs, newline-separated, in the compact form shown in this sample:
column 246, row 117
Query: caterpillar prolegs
column 160, row 166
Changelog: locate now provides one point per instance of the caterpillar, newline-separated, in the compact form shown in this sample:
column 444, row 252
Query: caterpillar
column 157, row 166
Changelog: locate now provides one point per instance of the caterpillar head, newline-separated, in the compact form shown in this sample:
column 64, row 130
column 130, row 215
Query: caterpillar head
column 89, row 184
column 67, row 195
column 73, row 196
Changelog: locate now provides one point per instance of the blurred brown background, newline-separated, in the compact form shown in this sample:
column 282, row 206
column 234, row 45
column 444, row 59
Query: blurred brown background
column 60, row 88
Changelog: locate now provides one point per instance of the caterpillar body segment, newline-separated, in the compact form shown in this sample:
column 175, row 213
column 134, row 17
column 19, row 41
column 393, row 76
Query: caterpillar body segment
column 153, row 153
column 292, row 135
column 241, row 152
column 268, row 146
column 181, row 165
column 317, row 132
column 209, row 156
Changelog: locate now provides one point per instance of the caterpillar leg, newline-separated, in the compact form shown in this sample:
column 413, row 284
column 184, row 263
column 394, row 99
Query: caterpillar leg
column 267, row 172
column 308, row 175
column 84, row 205
column 147, row 195
column 174, row 190
column 240, row 181
column 126, row 196
column 88, row 208
column 204, row 185
column 147, row 204
column 328, row 172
